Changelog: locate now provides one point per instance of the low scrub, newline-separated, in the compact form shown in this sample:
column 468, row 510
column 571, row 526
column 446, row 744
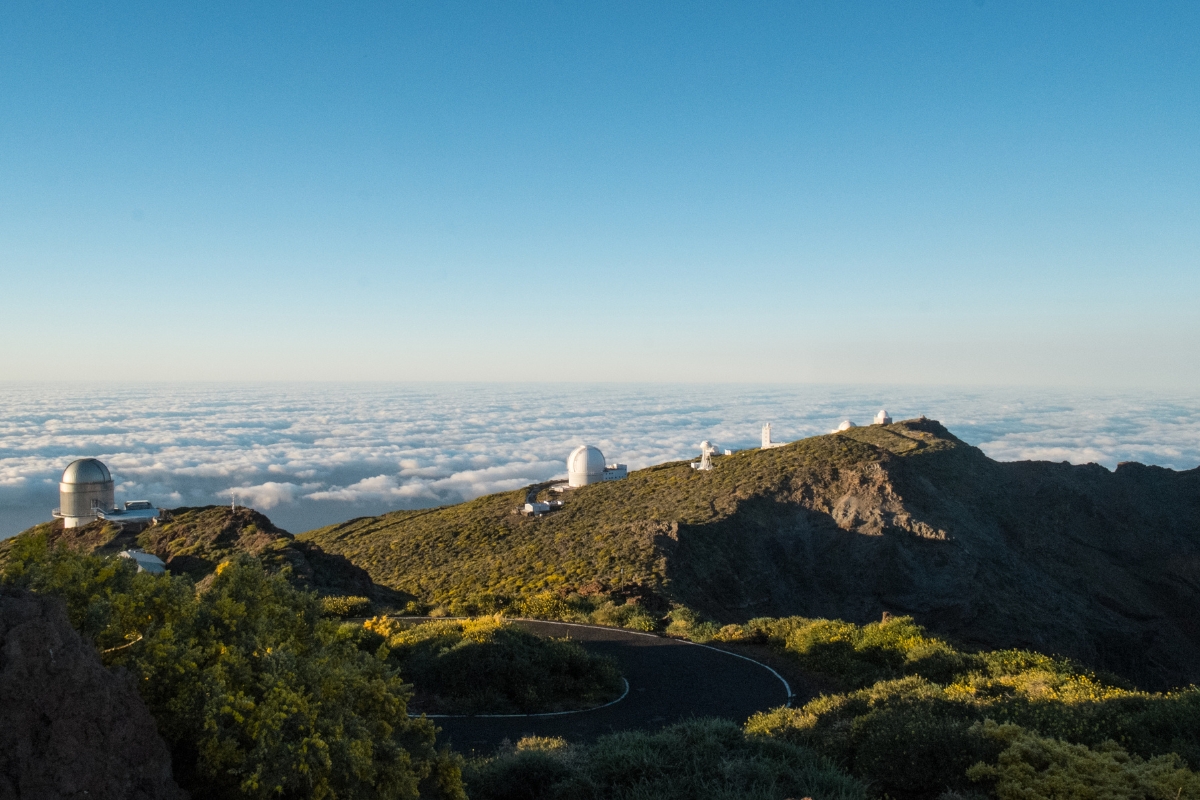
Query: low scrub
column 706, row 758
column 487, row 665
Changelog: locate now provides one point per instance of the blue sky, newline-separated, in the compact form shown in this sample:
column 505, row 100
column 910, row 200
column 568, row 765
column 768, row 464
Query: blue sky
column 991, row 193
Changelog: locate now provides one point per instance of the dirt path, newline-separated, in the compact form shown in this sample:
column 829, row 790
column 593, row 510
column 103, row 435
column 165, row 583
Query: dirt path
column 669, row 680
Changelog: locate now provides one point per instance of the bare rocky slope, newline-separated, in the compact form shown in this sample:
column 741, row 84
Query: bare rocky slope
column 68, row 726
column 1075, row 560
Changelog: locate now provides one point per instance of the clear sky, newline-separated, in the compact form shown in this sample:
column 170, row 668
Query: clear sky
column 959, row 192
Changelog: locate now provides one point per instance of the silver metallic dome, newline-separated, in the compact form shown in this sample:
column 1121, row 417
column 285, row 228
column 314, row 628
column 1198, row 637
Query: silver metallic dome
column 86, row 470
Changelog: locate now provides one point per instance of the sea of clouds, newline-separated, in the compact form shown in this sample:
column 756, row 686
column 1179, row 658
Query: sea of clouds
column 311, row 455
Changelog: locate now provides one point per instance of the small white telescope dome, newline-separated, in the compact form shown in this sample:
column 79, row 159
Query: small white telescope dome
column 882, row 418
column 585, row 465
column 846, row 425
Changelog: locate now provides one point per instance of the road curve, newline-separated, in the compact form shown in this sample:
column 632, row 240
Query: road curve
column 669, row 680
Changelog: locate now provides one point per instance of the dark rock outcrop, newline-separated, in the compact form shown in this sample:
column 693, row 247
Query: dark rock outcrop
column 68, row 726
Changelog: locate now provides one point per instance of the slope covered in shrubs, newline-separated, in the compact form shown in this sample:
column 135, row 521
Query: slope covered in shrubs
column 1100, row 566
column 193, row 541
column 915, row 714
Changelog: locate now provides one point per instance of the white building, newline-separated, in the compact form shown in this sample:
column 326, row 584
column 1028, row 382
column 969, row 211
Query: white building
column 146, row 562
column 586, row 465
column 882, row 418
column 85, row 494
column 845, row 426
column 767, row 444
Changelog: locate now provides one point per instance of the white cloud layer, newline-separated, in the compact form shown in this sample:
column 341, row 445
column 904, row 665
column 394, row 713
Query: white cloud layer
column 317, row 454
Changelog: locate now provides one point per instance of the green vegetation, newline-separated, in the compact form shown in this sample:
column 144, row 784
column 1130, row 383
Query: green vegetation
column 1034, row 766
column 343, row 606
column 708, row 759
column 193, row 541
column 256, row 694
column 912, row 716
column 479, row 557
column 489, row 666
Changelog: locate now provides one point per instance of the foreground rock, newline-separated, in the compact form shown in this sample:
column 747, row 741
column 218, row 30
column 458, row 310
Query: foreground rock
column 70, row 727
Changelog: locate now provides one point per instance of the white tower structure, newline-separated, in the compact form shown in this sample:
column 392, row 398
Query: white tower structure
column 882, row 418
column 586, row 465
column 767, row 444
column 706, row 453
column 85, row 493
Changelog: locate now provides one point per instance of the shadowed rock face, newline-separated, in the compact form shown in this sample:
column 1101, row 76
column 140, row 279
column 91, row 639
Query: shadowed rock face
column 70, row 727
column 1076, row 560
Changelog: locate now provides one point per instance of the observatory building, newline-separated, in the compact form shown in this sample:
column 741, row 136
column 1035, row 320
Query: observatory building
column 586, row 465
column 146, row 562
column 767, row 444
column 882, row 418
column 85, row 494
column 85, row 490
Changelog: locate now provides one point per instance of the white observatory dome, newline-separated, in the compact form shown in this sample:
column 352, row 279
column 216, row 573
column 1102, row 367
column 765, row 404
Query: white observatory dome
column 86, row 488
column 846, row 425
column 883, row 418
column 585, row 465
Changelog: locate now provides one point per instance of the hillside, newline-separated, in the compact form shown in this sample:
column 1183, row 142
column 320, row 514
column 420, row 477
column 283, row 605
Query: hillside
column 1097, row 565
column 193, row 541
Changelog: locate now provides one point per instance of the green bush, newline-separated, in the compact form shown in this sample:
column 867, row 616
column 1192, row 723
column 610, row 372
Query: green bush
column 627, row 615
column 486, row 665
column 698, row 760
column 256, row 695
column 345, row 606
column 1033, row 766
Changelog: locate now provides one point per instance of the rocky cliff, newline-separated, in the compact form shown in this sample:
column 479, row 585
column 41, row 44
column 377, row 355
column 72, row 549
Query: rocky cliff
column 69, row 727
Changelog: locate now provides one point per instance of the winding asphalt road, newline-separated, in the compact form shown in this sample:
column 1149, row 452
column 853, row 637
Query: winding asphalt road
column 669, row 680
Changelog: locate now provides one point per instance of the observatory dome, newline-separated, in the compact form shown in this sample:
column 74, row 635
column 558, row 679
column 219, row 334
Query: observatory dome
column 86, row 489
column 86, row 470
column 585, row 465
column 846, row 425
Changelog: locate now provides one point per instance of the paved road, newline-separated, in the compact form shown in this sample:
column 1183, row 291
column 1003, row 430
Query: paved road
column 669, row 680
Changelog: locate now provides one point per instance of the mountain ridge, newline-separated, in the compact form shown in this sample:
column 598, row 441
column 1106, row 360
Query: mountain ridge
column 1100, row 566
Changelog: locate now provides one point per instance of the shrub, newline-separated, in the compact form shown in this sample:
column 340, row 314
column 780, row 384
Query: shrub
column 1033, row 766
column 254, row 692
column 627, row 615
column 704, row 758
column 343, row 606
column 488, row 665
column 914, row 737
column 687, row 624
